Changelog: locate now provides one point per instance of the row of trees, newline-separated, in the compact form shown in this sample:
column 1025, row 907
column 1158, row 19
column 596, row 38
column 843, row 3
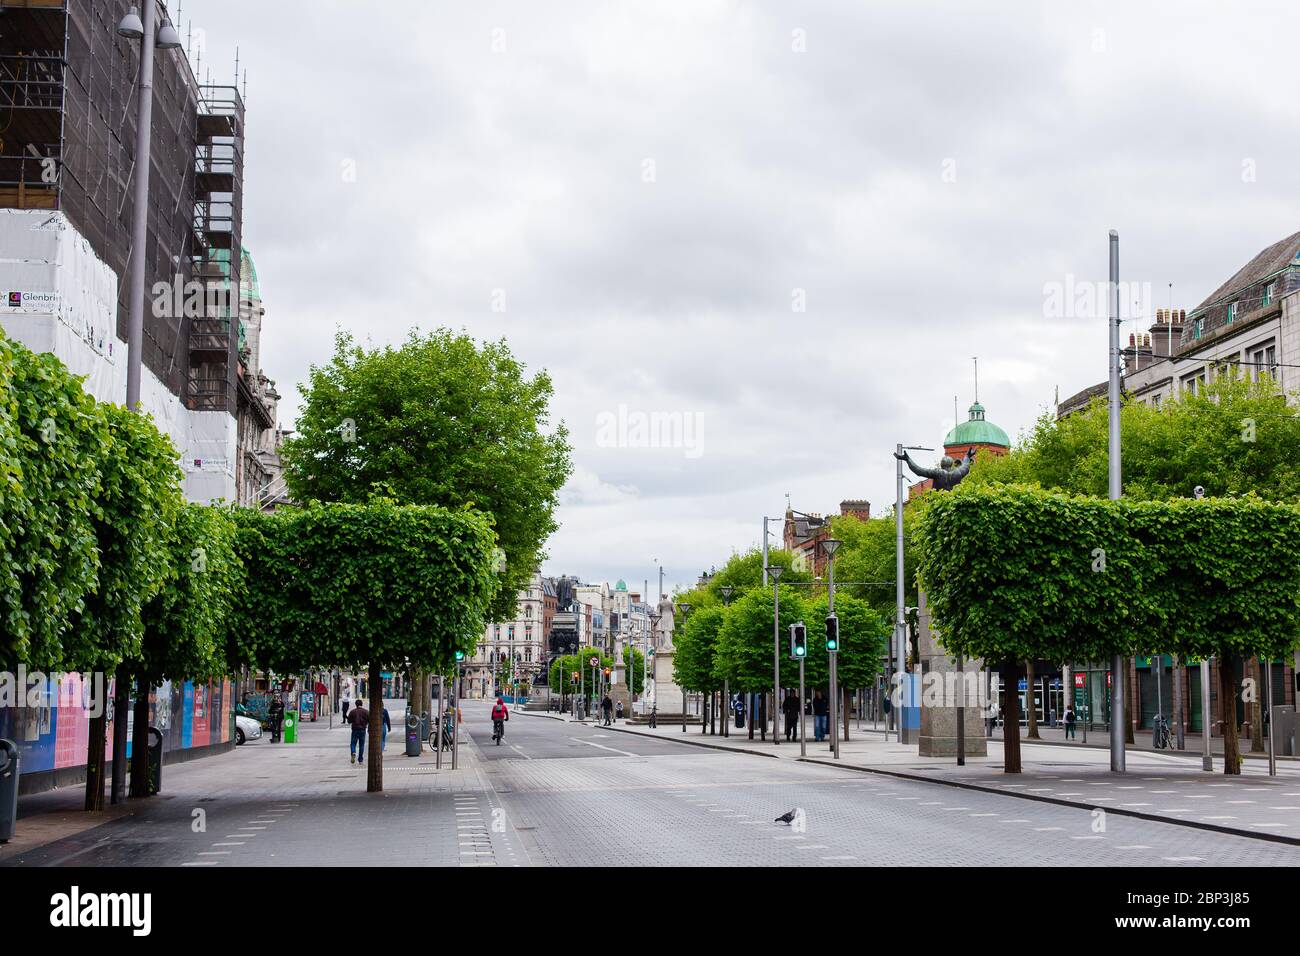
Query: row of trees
column 1015, row 573
column 732, row 640
column 435, row 467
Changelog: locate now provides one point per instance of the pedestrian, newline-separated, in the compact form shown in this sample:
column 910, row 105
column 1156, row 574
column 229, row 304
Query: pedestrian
column 791, row 710
column 738, row 705
column 383, row 732
column 607, row 708
column 1070, row 720
column 276, row 716
column 821, row 717
column 359, row 719
column 618, row 711
column 343, row 706
column 654, row 717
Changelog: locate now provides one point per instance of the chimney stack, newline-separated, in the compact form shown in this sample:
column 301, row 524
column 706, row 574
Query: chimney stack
column 1167, row 332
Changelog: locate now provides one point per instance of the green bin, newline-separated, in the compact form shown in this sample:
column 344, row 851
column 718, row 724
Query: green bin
column 290, row 727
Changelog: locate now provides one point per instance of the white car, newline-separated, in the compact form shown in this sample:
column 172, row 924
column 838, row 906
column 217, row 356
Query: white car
column 246, row 728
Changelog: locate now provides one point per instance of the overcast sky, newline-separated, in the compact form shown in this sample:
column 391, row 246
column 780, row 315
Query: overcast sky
column 792, row 224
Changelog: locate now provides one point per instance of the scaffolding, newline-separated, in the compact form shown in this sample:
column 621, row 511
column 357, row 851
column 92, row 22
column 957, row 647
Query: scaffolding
column 67, row 142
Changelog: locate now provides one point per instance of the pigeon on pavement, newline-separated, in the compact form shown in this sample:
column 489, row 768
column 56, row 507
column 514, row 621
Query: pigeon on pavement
column 786, row 817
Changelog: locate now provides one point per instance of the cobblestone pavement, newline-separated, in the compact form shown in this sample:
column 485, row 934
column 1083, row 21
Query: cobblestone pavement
column 557, row 793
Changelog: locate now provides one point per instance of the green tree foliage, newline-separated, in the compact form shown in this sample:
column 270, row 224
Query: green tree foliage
column 186, row 622
column 441, row 421
column 695, row 647
column 868, row 554
column 745, row 641
column 1233, row 438
column 134, row 518
column 378, row 585
column 863, row 636
column 53, row 437
column 562, row 668
column 1015, row 572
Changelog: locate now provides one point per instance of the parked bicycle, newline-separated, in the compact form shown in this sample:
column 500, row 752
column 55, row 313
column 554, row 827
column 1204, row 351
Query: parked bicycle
column 1160, row 736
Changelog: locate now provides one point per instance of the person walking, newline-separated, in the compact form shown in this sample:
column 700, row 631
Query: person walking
column 607, row 708
column 343, row 706
column 1070, row 722
column 383, row 732
column 276, row 716
column 359, row 719
column 821, row 717
column 791, row 710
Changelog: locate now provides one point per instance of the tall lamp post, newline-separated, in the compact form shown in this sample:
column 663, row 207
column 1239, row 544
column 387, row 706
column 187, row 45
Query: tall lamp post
column 150, row 37
column 898, row 653
column 1116, row 490
column 686, row 610
column 774, row 572
column 726, row 591
column 830, row 546
column 645, row 660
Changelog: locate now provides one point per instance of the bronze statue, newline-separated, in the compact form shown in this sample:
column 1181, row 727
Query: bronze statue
column 949, row 473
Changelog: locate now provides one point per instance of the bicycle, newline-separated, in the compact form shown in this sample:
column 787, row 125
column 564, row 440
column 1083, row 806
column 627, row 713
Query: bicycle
column 498, row 731
column 1160, row 735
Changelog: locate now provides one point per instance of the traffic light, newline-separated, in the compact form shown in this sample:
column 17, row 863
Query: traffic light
column 798, row 640
column 574, row 678
column 832, row 632
column 460, row 656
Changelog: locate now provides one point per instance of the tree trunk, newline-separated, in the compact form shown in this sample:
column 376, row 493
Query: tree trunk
column 749, row 714
column 95, row 762
column 1228, row 704
column 140, row 741
column 1257, row 708
column 762, row 716
column 1011, row 716
column 375, row 766
column 1031, row 712
column 1179, row 719
column 121, row 706
column 1131, row 713
column 844, row 711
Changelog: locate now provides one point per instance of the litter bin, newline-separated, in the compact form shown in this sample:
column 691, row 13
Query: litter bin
column 155, row 760
column 414, row 725
column 8, row 788
column 290, row 726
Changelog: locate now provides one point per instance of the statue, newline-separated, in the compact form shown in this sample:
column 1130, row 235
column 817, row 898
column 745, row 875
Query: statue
column 949, row 473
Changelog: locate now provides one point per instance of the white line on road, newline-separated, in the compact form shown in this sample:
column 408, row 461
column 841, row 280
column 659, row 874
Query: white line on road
column 592, row 743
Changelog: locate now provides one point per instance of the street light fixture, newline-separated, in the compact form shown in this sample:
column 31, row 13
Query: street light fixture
column 774, row 572
column 130, row 25
column 830, row 546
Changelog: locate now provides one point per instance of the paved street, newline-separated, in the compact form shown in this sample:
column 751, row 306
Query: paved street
column 571, row 794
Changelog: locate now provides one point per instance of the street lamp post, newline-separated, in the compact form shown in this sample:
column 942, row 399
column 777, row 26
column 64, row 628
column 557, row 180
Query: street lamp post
column 686, row 610
column 726, row 591
column 898, row 652
column 830, row 546
column 1116, row 490
column 774, row 572
column 163, row 38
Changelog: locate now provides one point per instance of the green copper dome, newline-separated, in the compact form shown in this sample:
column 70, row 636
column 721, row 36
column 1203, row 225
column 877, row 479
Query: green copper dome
column 977, row 431
column 621, row 586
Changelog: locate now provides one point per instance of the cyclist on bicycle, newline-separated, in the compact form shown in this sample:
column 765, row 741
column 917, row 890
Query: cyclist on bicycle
column 500, row 714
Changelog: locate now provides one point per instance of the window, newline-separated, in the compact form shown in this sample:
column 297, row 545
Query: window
column 1194, row 382
column 1197, row 328
column 1269, row 291
column 1232, row 314
column 1263, row 361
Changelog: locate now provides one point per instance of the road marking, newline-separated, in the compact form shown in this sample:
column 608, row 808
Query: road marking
column 201, row 863
column 1014, row 821
column 214, row 852
column 839, row 858
column 230, row 836
column 811, row 846
column 956, row 808
column 1183, row 859
column 1047, row 829
column 592, row 743
column 516, row 749
column 1133, row 846
column 228, row 844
